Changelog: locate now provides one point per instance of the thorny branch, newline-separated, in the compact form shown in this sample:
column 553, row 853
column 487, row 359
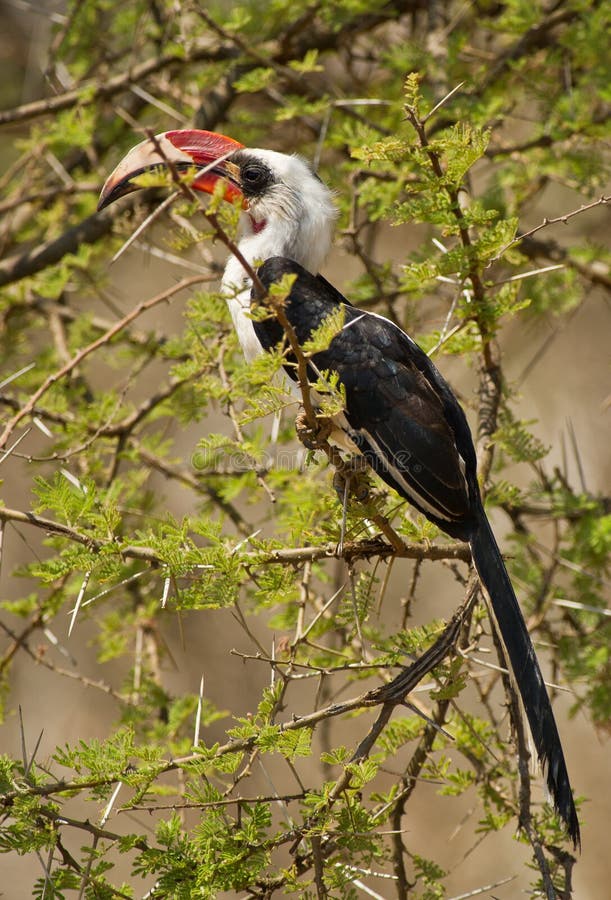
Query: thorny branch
column 391, row 693
column 597, row 271
column 547, row 221
column 387, row 697
column 82, row 354
column 304, row 33
column 47, row 253
column 352, row 549
column 490, row 394
column 108, row 88
column 288, row 46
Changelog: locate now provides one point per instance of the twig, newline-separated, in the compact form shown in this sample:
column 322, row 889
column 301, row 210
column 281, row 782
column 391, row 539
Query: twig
column 163, row 297
column 393, row 693
column 390, row 693
column 553, row 221
column 104, row 88
column 289, row 555
column 490, row 374
column 47, row 253
column 211, row 804
column 596, row 271
column 86, row 825
column 538, row 35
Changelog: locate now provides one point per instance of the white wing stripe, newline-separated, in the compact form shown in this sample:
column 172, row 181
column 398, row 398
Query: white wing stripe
column 386, row 461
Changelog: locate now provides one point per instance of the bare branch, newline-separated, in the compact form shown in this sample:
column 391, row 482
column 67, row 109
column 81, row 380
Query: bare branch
column 104, row 89
column 597, row 271
column 553, row 221
column 90, row 230
column 284, row 556
column 163, row 297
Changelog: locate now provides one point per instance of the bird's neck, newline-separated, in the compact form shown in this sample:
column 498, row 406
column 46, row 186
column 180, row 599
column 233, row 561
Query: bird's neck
column 306, row 240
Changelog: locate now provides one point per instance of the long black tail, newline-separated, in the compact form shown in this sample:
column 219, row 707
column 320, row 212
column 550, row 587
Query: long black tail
column 525, row 669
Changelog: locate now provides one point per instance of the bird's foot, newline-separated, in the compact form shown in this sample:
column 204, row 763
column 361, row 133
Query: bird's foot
column 312, row 438
column 349, row 480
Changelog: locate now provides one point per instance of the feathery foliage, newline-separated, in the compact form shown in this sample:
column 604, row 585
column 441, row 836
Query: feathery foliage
column 154, row 483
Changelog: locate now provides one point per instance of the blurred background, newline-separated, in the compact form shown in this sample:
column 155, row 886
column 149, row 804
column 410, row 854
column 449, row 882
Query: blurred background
column 558, row 367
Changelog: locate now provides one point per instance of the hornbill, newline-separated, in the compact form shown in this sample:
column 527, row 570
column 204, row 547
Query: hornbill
column 400, row 414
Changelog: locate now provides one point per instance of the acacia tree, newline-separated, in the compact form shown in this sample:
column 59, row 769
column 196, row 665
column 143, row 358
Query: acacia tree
column 293, row 795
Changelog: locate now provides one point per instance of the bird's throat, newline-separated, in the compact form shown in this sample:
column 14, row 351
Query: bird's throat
column 258, row 227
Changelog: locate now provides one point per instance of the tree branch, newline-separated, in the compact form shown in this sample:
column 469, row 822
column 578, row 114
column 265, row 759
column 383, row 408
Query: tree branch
column 603, row 199
column 163, row 297
column 287, row 556
column 90, row 230
column 104, row 89
column 597, row 271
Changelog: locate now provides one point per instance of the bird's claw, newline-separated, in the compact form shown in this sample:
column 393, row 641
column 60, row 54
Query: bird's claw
column 349, row 481
column 313, row 438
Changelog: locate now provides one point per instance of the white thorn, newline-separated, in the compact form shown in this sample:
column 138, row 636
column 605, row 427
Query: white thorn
column 14, row 446
column 16, row 375
column 110, row 804
column 73, row 480
column 166, row 591
column 198, row 715
column 42, row 427
column 79, row 600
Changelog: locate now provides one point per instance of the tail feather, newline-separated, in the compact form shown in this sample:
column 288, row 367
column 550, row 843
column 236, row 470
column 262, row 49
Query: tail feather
column 525, row 669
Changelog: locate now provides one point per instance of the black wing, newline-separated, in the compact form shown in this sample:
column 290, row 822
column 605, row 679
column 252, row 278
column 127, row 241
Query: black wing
column 402, row 415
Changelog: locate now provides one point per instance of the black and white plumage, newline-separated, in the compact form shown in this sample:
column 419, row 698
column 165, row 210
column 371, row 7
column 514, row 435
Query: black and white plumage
column 400, row 413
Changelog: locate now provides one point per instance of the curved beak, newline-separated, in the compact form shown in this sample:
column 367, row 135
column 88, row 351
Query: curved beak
column 180, row 150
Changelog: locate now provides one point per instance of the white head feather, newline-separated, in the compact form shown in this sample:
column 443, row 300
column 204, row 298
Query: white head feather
column 294, row 217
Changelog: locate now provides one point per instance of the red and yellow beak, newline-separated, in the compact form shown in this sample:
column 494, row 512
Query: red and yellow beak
column 181, row 150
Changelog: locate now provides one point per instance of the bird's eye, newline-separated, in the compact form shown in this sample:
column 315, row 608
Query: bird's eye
column 252, row 175
column 255, row 178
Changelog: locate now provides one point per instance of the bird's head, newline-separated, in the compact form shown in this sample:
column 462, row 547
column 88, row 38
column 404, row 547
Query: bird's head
column 290, row 212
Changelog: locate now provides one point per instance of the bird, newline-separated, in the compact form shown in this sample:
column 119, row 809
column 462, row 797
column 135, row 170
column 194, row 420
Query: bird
column 399, row 414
